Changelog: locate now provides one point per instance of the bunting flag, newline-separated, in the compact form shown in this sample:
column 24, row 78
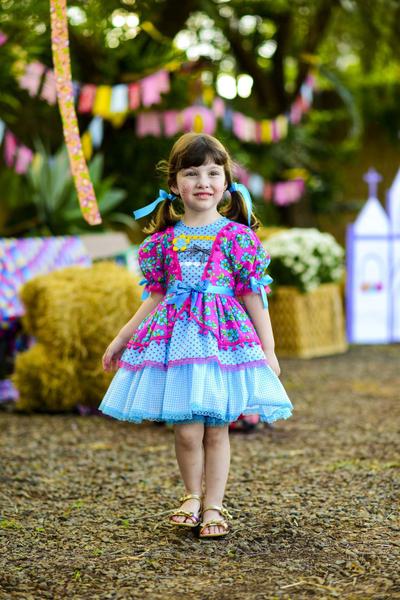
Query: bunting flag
column 16, row 155
column 3, row 38
column 281, row 193
column 49, row 91
column 65, row 95
column 32, row 78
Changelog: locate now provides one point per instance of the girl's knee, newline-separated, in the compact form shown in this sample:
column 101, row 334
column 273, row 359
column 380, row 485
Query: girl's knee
column 189, row 436
column 215, row 435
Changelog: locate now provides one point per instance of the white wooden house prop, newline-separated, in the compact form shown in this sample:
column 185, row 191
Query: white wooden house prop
column 373, row 268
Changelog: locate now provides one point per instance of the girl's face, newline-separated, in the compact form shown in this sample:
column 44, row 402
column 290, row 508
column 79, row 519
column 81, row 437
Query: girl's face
column 201, row 188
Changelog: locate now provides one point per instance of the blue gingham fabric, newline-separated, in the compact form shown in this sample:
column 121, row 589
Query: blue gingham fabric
column 215, row 390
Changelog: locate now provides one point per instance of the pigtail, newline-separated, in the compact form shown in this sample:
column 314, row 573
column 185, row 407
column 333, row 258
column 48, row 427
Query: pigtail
column 236, row 210
column 165, row 216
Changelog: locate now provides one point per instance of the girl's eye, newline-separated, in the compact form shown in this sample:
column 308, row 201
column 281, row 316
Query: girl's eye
column 215, row 173
column 190, row 173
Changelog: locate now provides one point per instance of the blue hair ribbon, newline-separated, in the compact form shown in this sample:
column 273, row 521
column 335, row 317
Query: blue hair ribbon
column 146, row 210
column 242, row 189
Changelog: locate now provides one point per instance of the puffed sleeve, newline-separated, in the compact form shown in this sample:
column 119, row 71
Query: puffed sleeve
column 151, row 262
column 251, row 262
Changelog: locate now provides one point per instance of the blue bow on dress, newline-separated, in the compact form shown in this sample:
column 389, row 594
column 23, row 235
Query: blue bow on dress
column 183, row 290
column 145, row 293
column 257, row 286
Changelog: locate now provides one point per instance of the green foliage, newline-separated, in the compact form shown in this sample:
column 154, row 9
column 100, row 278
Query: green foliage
column 352, row 44
column 53, row 205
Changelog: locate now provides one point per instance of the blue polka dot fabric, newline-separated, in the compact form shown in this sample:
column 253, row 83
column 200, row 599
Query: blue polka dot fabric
column 189, row 378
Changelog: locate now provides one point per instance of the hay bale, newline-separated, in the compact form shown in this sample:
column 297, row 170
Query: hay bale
column 45, row 382
column 76, row 312
column 48, row 383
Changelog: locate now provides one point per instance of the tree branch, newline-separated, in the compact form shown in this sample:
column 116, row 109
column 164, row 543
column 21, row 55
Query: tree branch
column 315, row 35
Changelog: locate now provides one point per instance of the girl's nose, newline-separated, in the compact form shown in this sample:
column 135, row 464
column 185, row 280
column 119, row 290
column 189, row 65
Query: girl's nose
column 203, row 181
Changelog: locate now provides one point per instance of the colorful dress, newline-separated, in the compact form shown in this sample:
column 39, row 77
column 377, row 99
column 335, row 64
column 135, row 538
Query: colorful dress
column 196, row 356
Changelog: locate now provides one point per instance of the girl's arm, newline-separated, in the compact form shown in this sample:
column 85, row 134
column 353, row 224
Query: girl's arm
column 262, row 324
column 117, row 346
column 145, row 308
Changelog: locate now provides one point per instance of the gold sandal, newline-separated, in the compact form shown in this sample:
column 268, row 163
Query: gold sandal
column 218, row 522
column 189, row 515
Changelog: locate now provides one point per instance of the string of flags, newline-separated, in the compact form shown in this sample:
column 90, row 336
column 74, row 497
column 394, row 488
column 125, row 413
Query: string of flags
column 281, row 193
column 115, row 102
column 19, row 157
column 102, row 100
column 199, row 118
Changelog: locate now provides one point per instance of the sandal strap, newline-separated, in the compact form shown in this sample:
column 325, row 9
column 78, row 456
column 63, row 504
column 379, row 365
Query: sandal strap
column 221, row 522
column 183, row 513
column 217, row 522
column 220, row 509
column 190, row 497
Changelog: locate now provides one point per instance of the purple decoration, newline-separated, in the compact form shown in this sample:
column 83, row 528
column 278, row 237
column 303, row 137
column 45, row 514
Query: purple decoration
column 372, row 178
column 23, row 259
column 372, row 270
column 20, row 261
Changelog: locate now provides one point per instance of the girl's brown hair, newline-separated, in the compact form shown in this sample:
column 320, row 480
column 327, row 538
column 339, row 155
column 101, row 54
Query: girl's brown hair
column 194, row 150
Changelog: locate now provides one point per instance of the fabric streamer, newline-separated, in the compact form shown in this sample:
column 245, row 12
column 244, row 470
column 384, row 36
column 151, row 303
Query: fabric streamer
column 65, row 94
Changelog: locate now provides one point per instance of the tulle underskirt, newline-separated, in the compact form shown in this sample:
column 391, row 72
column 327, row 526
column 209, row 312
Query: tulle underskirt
column 197, row 392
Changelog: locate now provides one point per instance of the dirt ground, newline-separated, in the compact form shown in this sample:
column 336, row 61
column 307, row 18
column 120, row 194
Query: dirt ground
column 315, row 499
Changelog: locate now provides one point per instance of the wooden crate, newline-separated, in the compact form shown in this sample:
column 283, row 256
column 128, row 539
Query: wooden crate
column 308, row 324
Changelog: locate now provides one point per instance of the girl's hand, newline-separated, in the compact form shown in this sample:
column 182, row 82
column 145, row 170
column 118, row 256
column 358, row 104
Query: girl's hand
column 113, row 354
column 272, row 361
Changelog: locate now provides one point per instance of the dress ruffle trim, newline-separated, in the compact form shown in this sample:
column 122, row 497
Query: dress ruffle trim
column 279, row 413
column 183, row 313
column 192, row 361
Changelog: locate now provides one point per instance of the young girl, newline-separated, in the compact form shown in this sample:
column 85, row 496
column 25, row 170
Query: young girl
column 199, row 351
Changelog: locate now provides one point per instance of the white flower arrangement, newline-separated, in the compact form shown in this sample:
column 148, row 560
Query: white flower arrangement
column 305, row 258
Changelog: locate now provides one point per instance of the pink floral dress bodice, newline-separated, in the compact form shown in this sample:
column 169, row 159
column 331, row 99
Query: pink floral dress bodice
column 236, row 259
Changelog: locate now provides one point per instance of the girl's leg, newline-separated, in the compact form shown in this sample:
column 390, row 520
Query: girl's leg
column 217, row 460
column 189, row 454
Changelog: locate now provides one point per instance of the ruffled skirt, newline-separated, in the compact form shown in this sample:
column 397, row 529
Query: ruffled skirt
column 189, row 379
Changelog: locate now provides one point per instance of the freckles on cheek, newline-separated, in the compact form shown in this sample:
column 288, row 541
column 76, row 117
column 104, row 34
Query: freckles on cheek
column 185, row 188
